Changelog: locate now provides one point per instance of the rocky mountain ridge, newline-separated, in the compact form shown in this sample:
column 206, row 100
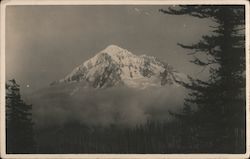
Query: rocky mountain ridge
column 115, row 66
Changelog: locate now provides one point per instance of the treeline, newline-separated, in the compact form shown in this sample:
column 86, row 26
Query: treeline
column 150, row 138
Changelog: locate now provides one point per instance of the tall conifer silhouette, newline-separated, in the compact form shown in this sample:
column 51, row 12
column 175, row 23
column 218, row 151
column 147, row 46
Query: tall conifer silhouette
column 19, row 125
column 218, row 104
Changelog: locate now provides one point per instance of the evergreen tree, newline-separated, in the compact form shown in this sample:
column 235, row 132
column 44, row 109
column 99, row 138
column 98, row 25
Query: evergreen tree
column 220, row 101
column 19, row 125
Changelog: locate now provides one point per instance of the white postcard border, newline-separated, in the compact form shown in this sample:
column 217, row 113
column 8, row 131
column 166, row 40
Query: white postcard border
column 117, row 2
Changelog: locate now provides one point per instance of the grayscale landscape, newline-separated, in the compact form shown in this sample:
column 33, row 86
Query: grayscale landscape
column 125, row 79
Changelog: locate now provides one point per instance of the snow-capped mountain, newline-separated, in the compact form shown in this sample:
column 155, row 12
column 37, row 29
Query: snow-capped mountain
column 115, row 66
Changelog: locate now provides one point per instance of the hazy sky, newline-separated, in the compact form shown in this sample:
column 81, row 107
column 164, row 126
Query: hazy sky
column 44, row 43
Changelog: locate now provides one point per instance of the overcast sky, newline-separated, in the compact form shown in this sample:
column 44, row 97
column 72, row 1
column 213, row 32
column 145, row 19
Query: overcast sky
column 44, row 43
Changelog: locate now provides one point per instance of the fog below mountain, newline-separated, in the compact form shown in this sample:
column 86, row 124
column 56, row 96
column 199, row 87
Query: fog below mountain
column 56, row 105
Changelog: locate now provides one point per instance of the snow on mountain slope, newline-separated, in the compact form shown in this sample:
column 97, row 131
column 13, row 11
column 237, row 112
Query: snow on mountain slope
column 115, row 66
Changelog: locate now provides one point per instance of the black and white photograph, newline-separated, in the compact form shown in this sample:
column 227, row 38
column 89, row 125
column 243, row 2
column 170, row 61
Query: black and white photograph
column 124, row 78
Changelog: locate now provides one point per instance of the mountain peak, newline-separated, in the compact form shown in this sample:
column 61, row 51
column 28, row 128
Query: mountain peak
column 112, row 47
column 117, row 66
column 115, row 50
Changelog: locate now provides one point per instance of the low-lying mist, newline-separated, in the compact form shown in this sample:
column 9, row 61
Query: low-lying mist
column 121, row 106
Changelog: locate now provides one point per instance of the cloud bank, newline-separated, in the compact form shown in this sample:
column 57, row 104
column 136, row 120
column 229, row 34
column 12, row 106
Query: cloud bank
column 122, row 106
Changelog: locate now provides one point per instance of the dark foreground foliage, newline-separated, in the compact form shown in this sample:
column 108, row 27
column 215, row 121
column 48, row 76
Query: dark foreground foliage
column 19, row 125
column 216, row 107
column 150, row 138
